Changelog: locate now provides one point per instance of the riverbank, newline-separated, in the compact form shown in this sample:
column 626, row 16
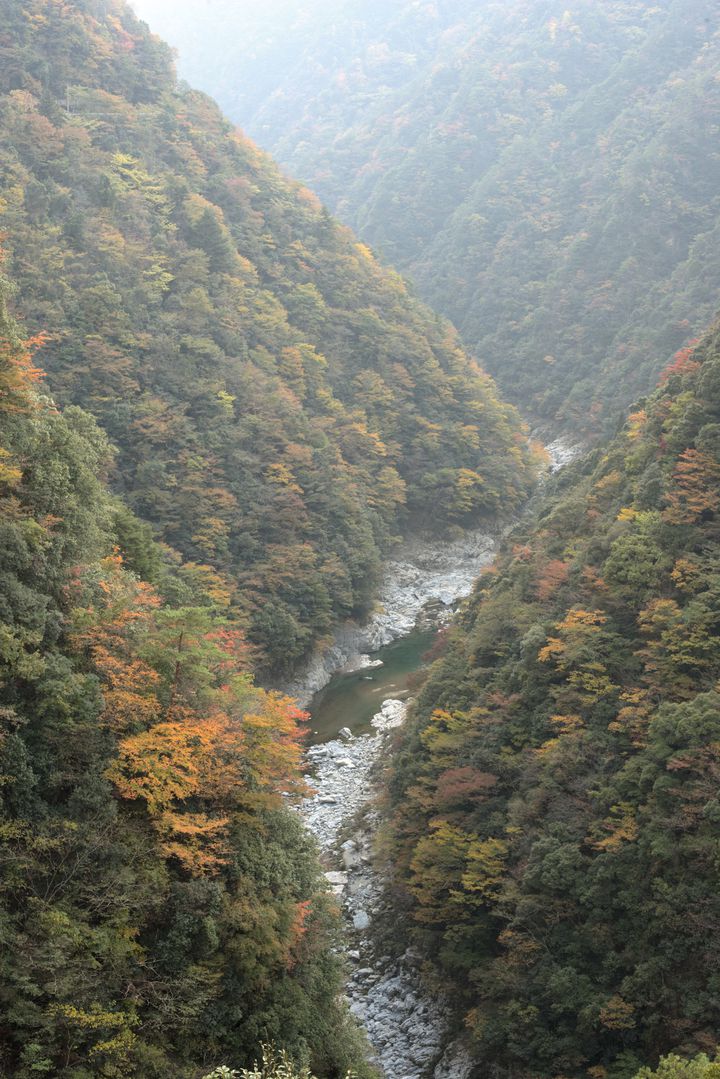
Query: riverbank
column 410, row 1028
column 423, row 575
column 407, row 1026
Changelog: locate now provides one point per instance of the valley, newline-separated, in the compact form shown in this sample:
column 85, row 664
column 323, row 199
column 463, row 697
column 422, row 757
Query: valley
column 347, row 730
column 412, row 1031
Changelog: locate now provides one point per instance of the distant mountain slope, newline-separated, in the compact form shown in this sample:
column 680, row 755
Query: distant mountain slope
column 556, row 798
column 281, row 406
column 547, row 174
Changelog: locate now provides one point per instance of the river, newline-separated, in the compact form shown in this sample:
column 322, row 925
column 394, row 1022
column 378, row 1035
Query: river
column 358, row 690
column 352, row 717
column 351, row 700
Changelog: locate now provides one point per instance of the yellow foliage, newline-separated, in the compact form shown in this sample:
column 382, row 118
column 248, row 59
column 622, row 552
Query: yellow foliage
column 567, row 723
column 686, row 573
column 9, row 474
column 485, row 867
column 608, row 484
column 636, row 422
column 282, row 476
column 623, row 828
column 617, row 1014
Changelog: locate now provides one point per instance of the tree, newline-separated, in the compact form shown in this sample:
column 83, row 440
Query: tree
column 675, row 1067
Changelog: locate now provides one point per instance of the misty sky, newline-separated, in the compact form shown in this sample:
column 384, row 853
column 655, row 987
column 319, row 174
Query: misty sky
column 184, row 10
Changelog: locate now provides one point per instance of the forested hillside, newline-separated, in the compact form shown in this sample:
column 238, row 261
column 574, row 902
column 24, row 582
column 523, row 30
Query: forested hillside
column 547, row 174
column 555, row 802
column 161, row 910
column 281, row 407
column 217, row 413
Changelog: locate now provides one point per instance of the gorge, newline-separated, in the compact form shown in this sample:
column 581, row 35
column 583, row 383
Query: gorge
column 245, row 472
column 410, row 1029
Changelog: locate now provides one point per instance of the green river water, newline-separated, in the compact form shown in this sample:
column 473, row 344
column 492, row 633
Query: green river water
column 351, row 700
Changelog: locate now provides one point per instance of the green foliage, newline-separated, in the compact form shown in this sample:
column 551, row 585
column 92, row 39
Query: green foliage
column 555, row 798
column 540, row 170
column 281, row 406
column 674, row 1067
column 160, row 907
column 274, row 1065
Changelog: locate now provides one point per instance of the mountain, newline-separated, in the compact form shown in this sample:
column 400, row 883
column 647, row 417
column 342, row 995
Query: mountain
column 240, row 410
column 555, row 801
column 546, row 175
column 282, row 408
column 161, row 908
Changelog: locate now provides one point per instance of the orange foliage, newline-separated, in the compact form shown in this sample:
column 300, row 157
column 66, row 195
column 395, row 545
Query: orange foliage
column 298, row 930
column 555, row 573
column 622, row 828
column 576, row 624
column 634, row 717
column 199, row 745
column 617, row 1014
column 193, row 775
column 18, row 372
column 459, row 785
column 522, row 552
column 593, row 581
column 682, row 363
column 107, row 632
column 636, row 423
column 696, row 488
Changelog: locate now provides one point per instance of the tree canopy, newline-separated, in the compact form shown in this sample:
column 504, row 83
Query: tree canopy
column 555, row 798
column 161, row 907
column 544, row 172
column 282, row 408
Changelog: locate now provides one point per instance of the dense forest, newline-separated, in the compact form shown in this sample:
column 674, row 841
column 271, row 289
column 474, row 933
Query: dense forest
column 555, row 803
column 218, row 414
column 161, row 908
column 281, row 407
column 238, row 411
column 546, row 174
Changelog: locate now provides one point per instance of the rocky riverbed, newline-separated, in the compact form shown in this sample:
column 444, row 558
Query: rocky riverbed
column 407, row 1027
column 561, row 453
column 423, row 576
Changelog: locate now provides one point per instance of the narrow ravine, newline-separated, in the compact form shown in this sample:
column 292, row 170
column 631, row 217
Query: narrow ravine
column 422, row 578
column 358, row 692
column 351, row 721
column 406, row 1027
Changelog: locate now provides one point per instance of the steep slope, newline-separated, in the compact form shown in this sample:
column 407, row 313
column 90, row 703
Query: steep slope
column 556, row 799
column 281, row 406
column 161, row 908
column 547, row 175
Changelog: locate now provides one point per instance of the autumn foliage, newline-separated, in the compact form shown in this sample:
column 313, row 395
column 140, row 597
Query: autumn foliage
column 555, row 800
column 159, row 902
column 198, row 744
column 281, row 407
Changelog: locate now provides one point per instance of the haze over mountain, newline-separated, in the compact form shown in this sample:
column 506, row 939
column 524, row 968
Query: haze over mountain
column 282, row 408
column 547, row 175
column 241, row 410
